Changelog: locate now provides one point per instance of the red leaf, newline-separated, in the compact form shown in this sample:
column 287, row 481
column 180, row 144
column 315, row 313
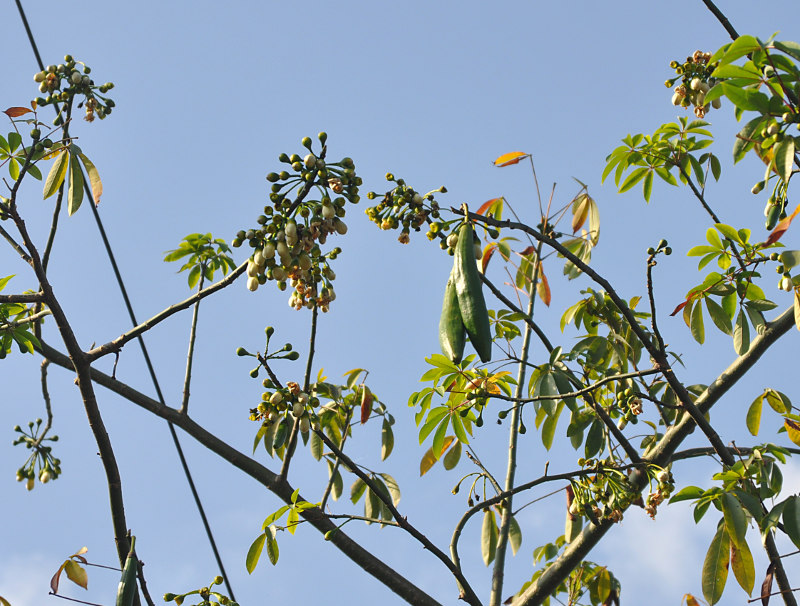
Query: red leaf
column 487, row 255
column 366, row 404
column 16, row 112
column 510, row 158
column 766, row 586
column 680, row 307
column 54, row 580
column 781, row 227
column 486, row 205
column 527, row 251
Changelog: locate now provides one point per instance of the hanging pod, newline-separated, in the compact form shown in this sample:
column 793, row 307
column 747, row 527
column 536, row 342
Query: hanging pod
column 452, row 335
column 469, row 292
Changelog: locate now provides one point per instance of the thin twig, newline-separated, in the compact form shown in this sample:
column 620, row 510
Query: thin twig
column 117, row 343
column 184, row 409
column 338, row 463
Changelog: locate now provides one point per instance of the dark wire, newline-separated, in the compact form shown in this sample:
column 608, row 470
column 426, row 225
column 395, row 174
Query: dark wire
column 149, row 364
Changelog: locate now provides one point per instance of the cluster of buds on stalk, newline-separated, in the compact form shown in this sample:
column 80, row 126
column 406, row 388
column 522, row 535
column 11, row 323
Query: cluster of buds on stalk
column 405, row 208
column 695, row 82
column 66, row 80
column 287, row 241
column 41, row 463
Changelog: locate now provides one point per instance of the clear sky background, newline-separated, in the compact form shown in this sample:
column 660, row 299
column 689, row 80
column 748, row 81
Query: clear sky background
column 208, row 94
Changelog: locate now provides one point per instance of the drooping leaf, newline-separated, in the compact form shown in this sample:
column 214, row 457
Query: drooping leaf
column 254, row 553
column 56, row 175
column 741, row 334
column 428, row 459
column 715, row 566
column 76, row 573
column 743, row 567
column 387, row 440
column 754, row 415
column 784, row 158
column 492, row 206
column 94, row 178
column 489, row 534
column 510, row 158
column 698, row 331
column 452, row 456
column 735, row 518
column 272, row 545
column 766, row 585
column 791, row 519
column 514, row 535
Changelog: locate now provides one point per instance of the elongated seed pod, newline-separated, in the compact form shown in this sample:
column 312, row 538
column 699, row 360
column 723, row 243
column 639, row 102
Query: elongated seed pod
column 469, row 290
column 452, row 335
column 127, row 582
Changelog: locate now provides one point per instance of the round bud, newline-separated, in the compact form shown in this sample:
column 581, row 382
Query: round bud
column 306, row 142
column 241, row 351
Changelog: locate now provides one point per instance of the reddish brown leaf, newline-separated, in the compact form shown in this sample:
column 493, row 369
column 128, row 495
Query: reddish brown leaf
column 690, row 600
column 766, row 586
column 527, row 251
column 366, row 404
column 56, row 576
column 487, row 255
column 781, row 227
column 510, row 158
column 486, row 205
column 543, row 287
column 16, row 112
column 680, row 307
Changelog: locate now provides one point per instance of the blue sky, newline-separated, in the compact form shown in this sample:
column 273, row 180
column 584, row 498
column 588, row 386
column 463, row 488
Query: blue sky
column 207, row 96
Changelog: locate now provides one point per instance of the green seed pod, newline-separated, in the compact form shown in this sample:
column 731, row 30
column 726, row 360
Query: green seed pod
column 451, row 327
column 127, row 583
column 470, row 294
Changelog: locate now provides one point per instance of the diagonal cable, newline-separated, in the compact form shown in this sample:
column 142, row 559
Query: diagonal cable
column 140, row 339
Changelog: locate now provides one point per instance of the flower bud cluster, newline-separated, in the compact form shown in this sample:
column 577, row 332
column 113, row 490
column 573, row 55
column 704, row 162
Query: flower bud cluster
column 405, row 208
column 41, row 463
column 287, row 402
column 287, row 242
column 64, row 81
column 696, row 81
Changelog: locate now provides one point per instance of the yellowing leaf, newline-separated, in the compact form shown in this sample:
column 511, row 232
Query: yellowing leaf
column 792, row 430
column 691, row 600
column 490, row 205
column 487, row 255
column 76, row 573
column 580, row 210
column 428, row 459
column 56, row 175
column 510, row 158
column 4, row 602
column 94, row 178
column 75, row 193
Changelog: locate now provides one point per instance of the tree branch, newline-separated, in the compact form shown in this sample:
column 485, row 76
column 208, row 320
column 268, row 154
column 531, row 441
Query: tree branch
column 116, row 344
column 283, row 490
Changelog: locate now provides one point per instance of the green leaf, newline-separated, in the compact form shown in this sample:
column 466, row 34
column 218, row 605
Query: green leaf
column 746, row 98
column 715, row 566
column 744, row 138
column 292, row 520
column 743, row 567
column 741, row 334
column 718, row 316
column 94, row 178
column 779, row 402
column 791, row 519
column 698, row 331
column 13, row 169
column 784, row 158
column 387, row 440
column 735, row 518
column 14, row 141
column 635, row 176
column 452, row 457
column 743, row 45
column 790, row 48
column 647, row 186
column 790, row 258
column 254, row 553
column 514, row 535
column 272, row 545
column 56, row 175
column 75, row 194
column 438, row 438
column 488, row 537
column 392, row 487
column 754, row 416
column 357, row 489
column 337, row 485
column 458, row 427
column 194, row 276
column 315, row 446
